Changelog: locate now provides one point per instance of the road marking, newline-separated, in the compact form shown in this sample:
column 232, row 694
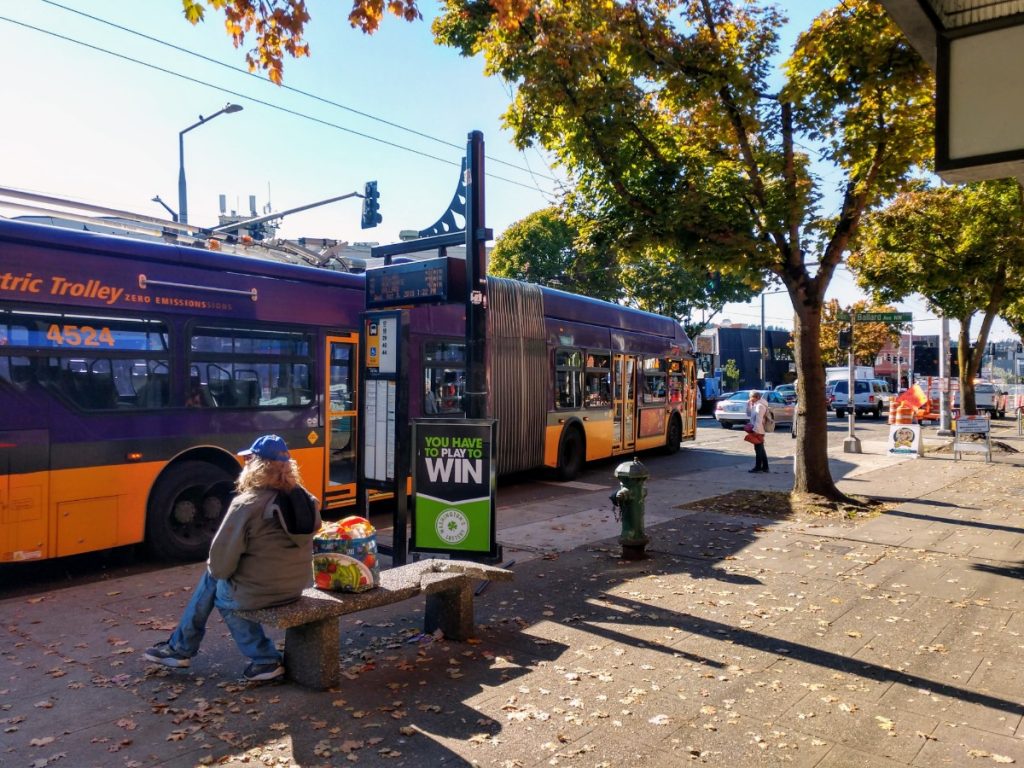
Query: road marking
column 580, row 486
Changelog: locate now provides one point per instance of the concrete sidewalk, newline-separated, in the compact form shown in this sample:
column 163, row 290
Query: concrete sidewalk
column 742, row 641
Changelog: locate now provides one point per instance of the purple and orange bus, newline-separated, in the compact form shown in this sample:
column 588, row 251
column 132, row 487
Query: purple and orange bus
column 571, row 379
column 132, row 371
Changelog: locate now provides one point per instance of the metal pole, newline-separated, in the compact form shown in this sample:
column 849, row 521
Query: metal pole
column 476, row 281
column 852, row 443
column 182, row 195
column 910, row 358
column 762, row 341
column 944, row 369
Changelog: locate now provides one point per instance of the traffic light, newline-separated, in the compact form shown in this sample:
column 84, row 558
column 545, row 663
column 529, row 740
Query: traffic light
column 371, row 206
column 845, row 338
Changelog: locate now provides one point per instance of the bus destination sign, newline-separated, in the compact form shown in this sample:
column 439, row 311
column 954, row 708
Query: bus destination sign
column 430, row 281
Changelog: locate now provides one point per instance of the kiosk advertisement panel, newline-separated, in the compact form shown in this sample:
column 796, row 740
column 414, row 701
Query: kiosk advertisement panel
column 454, row 486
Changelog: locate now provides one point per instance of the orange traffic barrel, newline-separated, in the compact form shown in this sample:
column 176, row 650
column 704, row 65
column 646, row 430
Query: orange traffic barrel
column 904, row 414
column 892, row 411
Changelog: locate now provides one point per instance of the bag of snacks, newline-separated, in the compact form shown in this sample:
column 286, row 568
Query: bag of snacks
column 345, row 556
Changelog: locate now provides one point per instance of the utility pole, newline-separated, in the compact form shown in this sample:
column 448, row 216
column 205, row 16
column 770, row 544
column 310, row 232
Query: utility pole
column 944, row 396
column 762, row 348
column 852, row 443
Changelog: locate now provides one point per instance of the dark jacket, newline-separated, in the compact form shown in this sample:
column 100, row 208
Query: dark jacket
column 265, row 552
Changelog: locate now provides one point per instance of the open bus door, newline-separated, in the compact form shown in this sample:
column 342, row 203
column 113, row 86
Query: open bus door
column 340, row 397
column 624, row 401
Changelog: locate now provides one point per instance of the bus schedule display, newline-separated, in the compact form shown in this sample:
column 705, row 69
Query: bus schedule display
column 430, row 281
column 453, row 486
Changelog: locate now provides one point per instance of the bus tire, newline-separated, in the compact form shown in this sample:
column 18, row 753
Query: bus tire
column 675, row 435
column 570, row 454
column 186, row 506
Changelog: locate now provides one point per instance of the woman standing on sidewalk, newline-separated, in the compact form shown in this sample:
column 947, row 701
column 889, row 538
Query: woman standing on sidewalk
column 260, row 557
column 756, row 411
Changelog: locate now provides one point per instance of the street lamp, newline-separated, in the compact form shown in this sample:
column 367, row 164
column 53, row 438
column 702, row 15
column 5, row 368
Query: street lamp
column 182, row 195
column 158, row 199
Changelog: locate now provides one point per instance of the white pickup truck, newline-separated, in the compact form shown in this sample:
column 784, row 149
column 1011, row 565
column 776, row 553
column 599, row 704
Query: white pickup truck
column 988, row 399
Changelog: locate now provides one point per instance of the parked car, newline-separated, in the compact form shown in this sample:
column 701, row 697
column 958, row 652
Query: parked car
column 788, row 392
column 733, row 410
column 869, row 396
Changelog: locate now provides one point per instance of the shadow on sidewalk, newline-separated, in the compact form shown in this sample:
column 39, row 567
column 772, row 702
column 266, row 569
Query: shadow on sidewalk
column 1010, row 572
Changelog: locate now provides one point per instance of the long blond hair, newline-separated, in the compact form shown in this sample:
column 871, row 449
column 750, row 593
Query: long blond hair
column 259, row 473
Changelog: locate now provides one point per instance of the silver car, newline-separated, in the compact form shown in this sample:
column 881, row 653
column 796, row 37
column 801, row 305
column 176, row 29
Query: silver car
column 733, row 410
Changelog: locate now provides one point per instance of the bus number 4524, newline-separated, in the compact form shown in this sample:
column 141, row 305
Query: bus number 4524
column 75, row 336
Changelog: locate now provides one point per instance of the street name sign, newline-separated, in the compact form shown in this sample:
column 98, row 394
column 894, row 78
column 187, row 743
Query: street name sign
column 884, row 317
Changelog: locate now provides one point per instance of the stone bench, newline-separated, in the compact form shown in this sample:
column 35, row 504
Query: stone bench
column 312, row 646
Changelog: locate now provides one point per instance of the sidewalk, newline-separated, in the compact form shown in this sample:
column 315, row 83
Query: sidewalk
column 741, row 641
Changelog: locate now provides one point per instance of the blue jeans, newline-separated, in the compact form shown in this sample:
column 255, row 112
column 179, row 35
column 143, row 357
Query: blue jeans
column 248, row 635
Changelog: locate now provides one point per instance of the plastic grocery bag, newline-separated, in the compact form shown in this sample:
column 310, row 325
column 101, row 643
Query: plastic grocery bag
column 345, row 556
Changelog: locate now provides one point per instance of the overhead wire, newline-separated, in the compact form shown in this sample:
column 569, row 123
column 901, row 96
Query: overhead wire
column 292, row 89
column 262, row 102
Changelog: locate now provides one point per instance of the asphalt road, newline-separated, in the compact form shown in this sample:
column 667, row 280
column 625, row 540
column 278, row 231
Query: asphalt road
column 527, row 487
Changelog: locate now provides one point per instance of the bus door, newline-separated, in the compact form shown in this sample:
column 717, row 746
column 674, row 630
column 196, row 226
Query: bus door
column 341, row 432
column 24, row 534
column 624, row 400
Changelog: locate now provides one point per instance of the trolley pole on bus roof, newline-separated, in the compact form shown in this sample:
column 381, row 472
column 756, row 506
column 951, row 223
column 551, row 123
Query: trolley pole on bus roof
column 476, row 281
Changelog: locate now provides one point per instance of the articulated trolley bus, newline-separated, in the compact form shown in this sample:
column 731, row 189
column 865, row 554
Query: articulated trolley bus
column 132, row 371
column 571, row 379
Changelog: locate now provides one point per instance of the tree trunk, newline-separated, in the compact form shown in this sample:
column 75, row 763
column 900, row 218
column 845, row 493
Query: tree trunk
column 811, row 473
column 965, row 359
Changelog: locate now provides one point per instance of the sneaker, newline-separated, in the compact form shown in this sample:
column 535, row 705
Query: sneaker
column 270, row 671
column 162, row 653
column 752, row 471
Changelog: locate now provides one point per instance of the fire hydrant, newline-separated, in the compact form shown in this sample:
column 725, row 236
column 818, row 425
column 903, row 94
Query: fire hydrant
column 629, row 508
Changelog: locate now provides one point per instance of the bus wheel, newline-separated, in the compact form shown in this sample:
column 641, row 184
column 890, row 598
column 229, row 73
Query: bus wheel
column 570, row 454
column 675, row 435
column 185, row 509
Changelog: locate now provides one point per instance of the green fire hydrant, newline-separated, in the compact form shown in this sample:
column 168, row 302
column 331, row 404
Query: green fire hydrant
column 629, row 508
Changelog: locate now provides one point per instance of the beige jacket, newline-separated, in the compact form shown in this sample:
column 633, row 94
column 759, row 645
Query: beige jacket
column 265, row 563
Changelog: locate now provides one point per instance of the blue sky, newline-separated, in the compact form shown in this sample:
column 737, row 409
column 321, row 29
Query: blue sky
column 86, row 124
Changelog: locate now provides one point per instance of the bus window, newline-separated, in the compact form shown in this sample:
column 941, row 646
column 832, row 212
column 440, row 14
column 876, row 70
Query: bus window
column 90, row 361
column 598, row 380
column 444, row 377
column 250, row 367
column 654, row 382
column 568, row 378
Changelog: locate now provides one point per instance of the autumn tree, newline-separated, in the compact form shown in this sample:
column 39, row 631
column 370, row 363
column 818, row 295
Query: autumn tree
column 663, row 115
column 660, row 279
column 960, row 247
column 278, row 25
column 868, row 340
column 540, row 248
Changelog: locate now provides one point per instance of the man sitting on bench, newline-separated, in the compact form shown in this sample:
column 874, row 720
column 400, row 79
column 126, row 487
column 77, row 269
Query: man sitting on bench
column 259, row 558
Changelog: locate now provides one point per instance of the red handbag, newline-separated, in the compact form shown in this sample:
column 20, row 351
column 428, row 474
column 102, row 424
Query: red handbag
column 754, row 437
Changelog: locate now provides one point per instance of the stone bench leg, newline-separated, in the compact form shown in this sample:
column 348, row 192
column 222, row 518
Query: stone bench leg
column 451, row 611
column 312, row 654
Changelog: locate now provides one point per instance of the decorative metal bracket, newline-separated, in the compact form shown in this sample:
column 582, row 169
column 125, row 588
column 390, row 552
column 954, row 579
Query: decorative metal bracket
column 457, row 207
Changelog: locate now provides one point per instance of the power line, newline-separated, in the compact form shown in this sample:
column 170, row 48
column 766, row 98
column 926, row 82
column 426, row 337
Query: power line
column 299, row 91
column 279, row 108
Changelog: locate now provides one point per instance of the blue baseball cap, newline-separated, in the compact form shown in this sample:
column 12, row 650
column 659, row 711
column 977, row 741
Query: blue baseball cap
column 269, row 447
